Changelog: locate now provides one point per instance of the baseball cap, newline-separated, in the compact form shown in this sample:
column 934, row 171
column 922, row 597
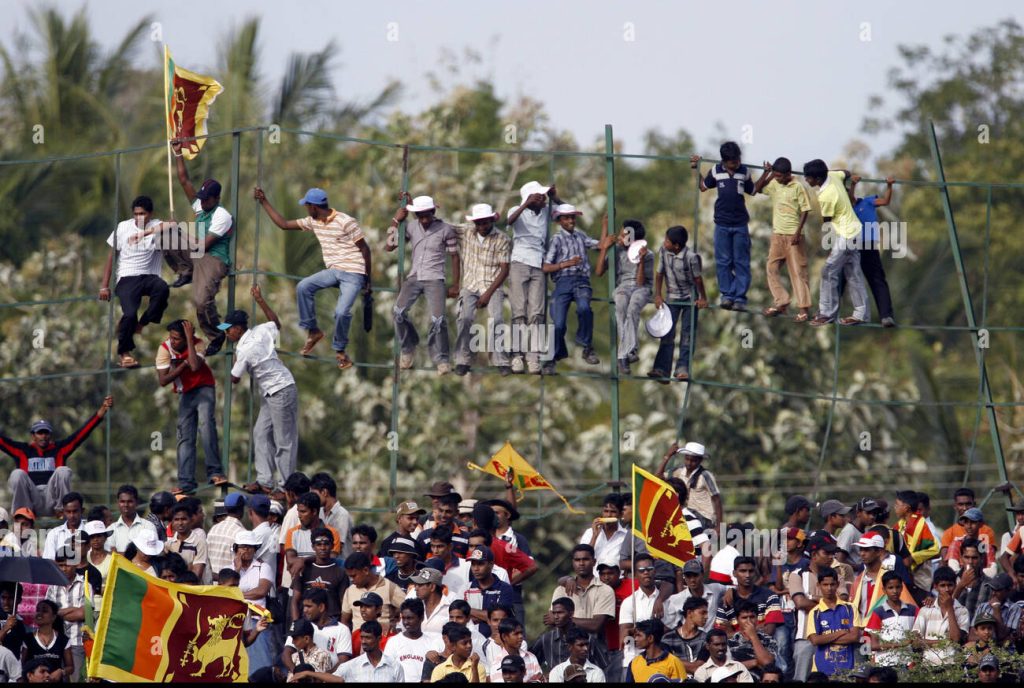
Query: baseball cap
column 25, row 512
column 234, row 500
column 409, row 508
column 236, row 317
column 868, row 505
column 247, row 538
column 513, row 663
column 260, row 503
column 218, row 508
column 427, row 575
column 871, row 540
column 983, row 619
column 798, row 534
column 161, row 500
column 314, row 196
column 973, row 514
column 369, row 599
column 300, row 627
column 466, row 506
column 1001, row 582
column 481, row 553
column 1016, row 509
column 210, row 189
column 833, row 506
column 988, row 662
column 693, row 566
column 5, row 516
column 796, row 503
column 820, row 541
column 573, row 671
column 41, row 425
column 607, row 562
column 440, row 489
column 401, row 544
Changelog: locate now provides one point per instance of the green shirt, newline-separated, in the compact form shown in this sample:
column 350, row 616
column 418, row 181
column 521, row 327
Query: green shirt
column 218, row 222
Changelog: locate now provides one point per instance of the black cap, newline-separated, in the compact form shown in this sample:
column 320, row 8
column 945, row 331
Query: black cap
column 161, row 500
column 235, row 318
column 513, row 663
column 796, row 503
column 301, row 627
column 369, row 599
column 209, row 189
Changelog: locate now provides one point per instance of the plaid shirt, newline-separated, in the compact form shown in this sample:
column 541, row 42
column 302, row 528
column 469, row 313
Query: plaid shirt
column 219, row 542
column 481, row 260
column 566, row 245
column 70, row 596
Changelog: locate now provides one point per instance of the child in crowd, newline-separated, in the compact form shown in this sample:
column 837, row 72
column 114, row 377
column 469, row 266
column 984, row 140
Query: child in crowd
column 632, row 285
column 566, row 261
column 790, row 208
column 680, row 268
column 870, row 258
column 732, row 233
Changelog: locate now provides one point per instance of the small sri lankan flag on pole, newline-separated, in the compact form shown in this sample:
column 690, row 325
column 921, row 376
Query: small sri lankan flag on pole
column 524, row 476
column 658, row 518
column 188, row 97
column 156, row 631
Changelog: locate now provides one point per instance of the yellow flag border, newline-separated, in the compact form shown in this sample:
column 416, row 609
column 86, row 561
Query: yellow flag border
column 214, row 89
column 508, row 445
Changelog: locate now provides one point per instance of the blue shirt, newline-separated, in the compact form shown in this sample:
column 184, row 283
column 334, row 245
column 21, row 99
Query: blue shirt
column 868, row 215
column 566, row 245
column 500, row 592
column 830, row 659
column 730, row 207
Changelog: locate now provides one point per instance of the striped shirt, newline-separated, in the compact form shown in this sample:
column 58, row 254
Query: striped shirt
column 482, row 257
column 360, row 670
column 566, row 245
column 625, row 269
column 219, row 543
column 890, row 625
column 730, row 208
column 769, row 609
column 141, row 258
column 678, row 270
column 338, row 235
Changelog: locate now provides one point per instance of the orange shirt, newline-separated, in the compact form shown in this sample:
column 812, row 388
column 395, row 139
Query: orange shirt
column 956, row 530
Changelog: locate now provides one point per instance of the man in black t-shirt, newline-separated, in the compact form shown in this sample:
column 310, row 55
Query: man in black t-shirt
column 322, row 573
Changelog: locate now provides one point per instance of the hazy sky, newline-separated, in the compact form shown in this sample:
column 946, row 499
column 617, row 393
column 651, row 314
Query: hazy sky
column 797, row 73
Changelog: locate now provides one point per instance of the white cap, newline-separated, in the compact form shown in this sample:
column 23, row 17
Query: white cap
column 96, row 528
column 872, row 540
column 421, row 204
column 148, row 543
column 725, row 672
column 693, row 448
column 660, row 323
column 247, row 537
column 565, row 209
column 530, row 188
column 481, row 211
column 276, row 507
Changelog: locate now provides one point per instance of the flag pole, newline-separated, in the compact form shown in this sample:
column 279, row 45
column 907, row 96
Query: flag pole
column 167, row 116
column 632, row 572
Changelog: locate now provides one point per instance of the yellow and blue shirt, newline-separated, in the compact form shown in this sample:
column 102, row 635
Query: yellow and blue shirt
column 830, row 659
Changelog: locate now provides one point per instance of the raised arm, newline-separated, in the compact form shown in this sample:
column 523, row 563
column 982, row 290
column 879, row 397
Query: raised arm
column 767, row 176
column 695, row 164
column 605, row 243
column 887, row 199
column 672, row 449
column 186, row 183
column 276, row 217
column 268, row 312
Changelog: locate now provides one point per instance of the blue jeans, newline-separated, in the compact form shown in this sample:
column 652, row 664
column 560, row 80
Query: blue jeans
column 567, row 290
column 348, row 284
column 732, row 262
column 196, row 410
column 681, row 316
column 784, row 635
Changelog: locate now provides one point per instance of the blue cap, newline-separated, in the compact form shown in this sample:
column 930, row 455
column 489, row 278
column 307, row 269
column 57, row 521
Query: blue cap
column 41, row 425
column 314, row 197
column 974, row 514
column 260, row 503
column 234, row 500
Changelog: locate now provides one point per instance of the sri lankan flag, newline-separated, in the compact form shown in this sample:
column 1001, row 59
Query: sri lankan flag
column 157, row 631
column 658, row 518
column 524, row 476
column 188, row 97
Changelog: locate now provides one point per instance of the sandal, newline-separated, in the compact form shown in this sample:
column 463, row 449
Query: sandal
column 311, row 341
column 819, row 321
column 682, row 376
column 772, row 311
column 128, row 361
column 255, row 488
column 218, row 480
column 344, row 362
column 850, row 321
column 801, row 317
column 181, row 492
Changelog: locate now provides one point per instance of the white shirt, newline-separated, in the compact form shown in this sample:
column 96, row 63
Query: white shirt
column 267, row 552
column 433, row 623
column 10, row 667
column 411, row 653
column 291, row 518
column 639, row 606
column 594, row 673
column 123, row 533
column 529, row 233
column 249, row 579
column 335, row 640
column 933, row 625
column 220, row 222
column 605, row 548
column 56, row 538
column 359, row 670
column 256, row 353
column 142, row 258
column 456, row 579
column 341, row 521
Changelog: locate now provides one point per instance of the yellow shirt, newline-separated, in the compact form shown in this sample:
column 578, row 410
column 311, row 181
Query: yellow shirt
column 789, row 201
column 448, row 667
column 835, row 203
column 642, row 670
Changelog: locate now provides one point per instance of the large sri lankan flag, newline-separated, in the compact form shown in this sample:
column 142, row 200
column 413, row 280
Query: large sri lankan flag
column 157, row 631
column 658, row 518
column 188, row 97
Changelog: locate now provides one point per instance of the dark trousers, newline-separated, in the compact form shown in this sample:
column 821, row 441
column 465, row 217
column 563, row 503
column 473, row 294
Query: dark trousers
column 681, row 319
column 130, row 291
column 874, row 275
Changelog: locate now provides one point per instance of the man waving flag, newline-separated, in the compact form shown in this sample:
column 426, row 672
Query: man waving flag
column 188, row 97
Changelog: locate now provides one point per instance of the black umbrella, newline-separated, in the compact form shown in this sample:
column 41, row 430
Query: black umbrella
column 368, row 311
column 19, row 569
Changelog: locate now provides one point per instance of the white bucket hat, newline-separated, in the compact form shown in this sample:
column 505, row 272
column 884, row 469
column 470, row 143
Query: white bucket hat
column 566, row 209
column 530, row 188
column 96, row 528
column 148, row 543
column 659, row 324
column 633, row 252
column 421, row 204
column 481, row 211
column 247, row 538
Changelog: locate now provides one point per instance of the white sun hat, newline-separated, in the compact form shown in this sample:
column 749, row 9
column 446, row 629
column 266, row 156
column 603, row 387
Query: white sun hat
column 566, row 209
column 530, row 188
column 481, row 211
column 659, row 324
column 633, row 252
column 421, row 204
column 148, row 543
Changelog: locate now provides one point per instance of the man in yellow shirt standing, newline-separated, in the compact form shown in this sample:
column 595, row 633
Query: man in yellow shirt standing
column 844, row 227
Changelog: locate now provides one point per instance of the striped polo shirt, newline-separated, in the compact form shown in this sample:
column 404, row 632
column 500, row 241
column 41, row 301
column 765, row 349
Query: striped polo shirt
column 730, row 207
